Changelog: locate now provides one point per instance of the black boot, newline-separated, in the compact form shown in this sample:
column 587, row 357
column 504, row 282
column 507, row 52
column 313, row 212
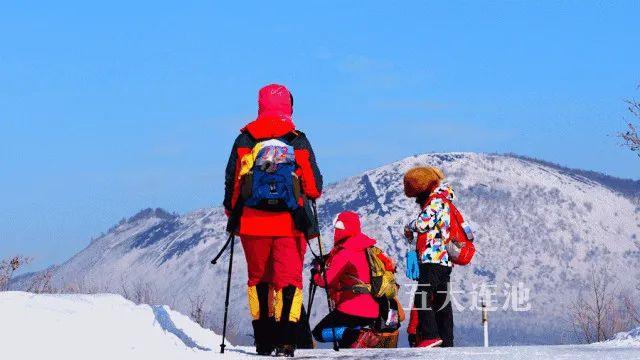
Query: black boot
column 287, row 330
column 263, row 330
column 413, row 340
column 265, row 327
column 285, row 351
column 287, row 338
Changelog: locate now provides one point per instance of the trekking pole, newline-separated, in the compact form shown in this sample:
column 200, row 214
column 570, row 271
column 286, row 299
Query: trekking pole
column 323, row 269
column 232, row 227
column 312, row 295
column 224, row 247
column 226, row 301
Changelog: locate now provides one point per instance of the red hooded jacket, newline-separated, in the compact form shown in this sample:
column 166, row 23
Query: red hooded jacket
column 347, row 266
column 275, row 107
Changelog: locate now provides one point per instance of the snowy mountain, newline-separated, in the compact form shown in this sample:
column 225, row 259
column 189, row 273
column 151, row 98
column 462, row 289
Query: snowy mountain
column 539, row 226
column 106, row 327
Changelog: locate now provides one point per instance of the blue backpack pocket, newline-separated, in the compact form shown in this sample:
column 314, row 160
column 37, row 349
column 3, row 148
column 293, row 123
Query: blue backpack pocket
column 274, row 185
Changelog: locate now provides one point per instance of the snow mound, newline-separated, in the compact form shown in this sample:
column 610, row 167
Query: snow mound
column 630, row 338
column 98, row 327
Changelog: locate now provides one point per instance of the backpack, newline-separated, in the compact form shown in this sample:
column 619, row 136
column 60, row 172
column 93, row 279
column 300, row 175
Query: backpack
column 383, row 280
column 384, row 289
column 271, row 184
column 460, row 247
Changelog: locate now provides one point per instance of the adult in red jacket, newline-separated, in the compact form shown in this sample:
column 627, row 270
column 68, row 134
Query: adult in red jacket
column 347, row 265
column 274, row 242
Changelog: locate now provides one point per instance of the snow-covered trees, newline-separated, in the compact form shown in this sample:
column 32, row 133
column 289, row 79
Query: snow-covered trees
column 8, row 267
column 601, row 310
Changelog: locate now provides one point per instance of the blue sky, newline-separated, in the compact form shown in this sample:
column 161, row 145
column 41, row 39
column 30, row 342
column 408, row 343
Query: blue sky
column 109, row 108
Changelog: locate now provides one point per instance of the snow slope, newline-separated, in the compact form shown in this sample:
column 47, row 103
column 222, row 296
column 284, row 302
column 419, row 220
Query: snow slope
column 97, row 327
column 107, row 327
column 546, row 227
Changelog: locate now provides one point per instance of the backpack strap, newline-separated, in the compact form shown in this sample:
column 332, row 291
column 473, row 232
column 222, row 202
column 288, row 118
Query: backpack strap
column 360, row 287
column 252, row 139
column 457, row 220
column 290, row 137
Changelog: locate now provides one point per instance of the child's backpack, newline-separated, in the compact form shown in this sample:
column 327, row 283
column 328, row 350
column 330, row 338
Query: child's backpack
column 384, row 289
column 271, row 184
column 460, row 246
column 383, row 280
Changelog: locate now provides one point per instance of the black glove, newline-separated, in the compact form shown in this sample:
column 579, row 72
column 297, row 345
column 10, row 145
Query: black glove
column 319, row 262
column 314, row 271
column 317, row 265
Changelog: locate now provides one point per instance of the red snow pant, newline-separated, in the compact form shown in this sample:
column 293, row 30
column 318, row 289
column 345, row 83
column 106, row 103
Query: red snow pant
column 274, row 260
column 275, row 265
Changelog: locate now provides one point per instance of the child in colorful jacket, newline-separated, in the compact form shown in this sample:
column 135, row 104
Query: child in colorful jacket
column 430, row 263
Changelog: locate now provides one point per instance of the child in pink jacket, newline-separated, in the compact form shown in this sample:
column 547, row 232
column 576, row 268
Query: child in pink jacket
column 347, row 266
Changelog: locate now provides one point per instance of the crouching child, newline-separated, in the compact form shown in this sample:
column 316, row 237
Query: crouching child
column 365, row 315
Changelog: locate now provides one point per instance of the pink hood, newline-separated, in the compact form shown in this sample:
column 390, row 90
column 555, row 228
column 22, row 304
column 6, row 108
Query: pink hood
column 275, row 108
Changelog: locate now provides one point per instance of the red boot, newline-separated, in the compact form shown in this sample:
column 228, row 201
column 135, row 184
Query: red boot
column 430, row 343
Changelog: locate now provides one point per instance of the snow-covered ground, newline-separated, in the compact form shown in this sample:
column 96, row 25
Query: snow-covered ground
column 109, row 327
column 97, row 327
column 631, row 338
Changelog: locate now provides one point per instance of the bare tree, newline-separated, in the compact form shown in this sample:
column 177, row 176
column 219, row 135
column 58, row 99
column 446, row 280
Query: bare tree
column 139, row 293
column 630, row 137
column 631, row 309
column 596, row 315
column 41, row 284
column 196, row 306
column 8, row 267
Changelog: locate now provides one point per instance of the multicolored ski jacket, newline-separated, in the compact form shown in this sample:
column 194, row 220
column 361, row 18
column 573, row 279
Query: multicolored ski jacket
column 432, row 226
